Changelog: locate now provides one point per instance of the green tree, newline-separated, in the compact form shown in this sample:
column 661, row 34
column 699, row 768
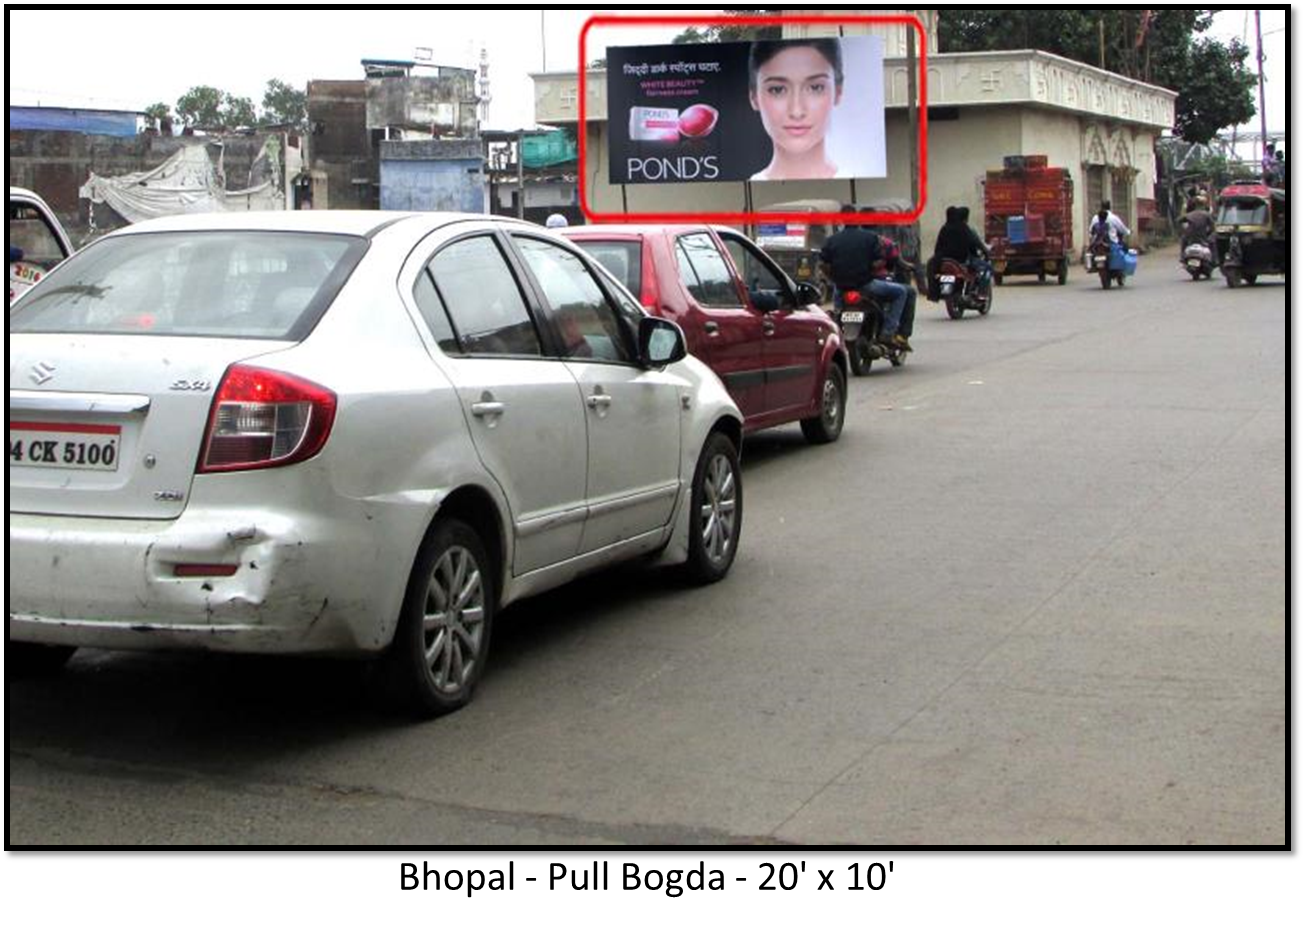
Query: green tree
column 238, row 112
column 284, row 105
column 1217, row 90
column 1160, row 46
column 201, row 107
column 157, row 112
column 730, row 32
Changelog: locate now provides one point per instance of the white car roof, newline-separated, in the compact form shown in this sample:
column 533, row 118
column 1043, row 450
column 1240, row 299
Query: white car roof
column 337, row 221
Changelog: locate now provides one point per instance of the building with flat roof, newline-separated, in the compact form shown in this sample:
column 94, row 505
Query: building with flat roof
column 981, row 107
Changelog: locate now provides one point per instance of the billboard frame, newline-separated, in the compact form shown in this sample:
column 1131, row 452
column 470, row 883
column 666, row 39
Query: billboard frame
column 739, row 218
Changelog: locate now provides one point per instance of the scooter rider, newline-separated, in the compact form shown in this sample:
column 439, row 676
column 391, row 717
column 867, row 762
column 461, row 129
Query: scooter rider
column 1197, row 226
column 856, row 258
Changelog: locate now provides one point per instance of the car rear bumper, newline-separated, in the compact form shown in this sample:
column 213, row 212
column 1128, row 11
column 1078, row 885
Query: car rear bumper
column 298, row 586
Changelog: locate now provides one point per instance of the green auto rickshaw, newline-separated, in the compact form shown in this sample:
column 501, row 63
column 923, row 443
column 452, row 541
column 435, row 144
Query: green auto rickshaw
column 1250, row 232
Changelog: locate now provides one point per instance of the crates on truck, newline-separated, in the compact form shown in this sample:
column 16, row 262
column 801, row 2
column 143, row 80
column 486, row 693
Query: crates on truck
column 1028, row 220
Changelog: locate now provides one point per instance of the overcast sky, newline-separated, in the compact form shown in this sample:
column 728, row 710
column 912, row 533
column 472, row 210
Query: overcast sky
column 128, row 59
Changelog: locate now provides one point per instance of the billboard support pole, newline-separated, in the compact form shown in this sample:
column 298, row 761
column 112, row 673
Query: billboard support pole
column 912, row 92
column 624, row 200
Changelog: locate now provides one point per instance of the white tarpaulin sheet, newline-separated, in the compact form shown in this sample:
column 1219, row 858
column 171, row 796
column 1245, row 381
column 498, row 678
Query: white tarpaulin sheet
column 184, row 183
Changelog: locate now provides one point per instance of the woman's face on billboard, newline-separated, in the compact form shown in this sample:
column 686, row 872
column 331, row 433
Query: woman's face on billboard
column 795, row 94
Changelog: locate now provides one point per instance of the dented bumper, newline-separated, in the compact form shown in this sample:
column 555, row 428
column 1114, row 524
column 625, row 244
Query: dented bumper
column 113, row 583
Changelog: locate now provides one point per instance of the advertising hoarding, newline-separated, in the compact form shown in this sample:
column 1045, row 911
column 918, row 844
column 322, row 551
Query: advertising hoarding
column 795, row 109
column 606, row 23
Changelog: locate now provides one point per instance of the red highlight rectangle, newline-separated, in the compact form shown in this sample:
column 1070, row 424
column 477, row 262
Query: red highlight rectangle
column 864, row 218
column 65, row 428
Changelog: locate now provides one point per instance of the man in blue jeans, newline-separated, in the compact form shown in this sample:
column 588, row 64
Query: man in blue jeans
column 857, row 258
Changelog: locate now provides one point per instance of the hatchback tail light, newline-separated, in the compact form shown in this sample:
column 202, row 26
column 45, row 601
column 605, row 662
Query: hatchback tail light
column 651, row 295
column 263, row 418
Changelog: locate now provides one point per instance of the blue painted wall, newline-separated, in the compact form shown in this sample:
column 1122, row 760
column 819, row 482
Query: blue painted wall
column 86, row 121
column 432, row 186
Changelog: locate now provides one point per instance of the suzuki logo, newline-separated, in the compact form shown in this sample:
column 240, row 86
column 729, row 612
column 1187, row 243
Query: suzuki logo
column 42, row 373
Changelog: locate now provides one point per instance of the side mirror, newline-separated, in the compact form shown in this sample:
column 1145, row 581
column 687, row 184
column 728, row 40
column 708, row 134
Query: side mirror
column 660, row 341
column 809, row 294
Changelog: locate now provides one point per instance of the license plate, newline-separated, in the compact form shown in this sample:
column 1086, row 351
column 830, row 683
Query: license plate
column 1192, row 263
column 947, row 278
column 850, row 317
column 64, row 446
column 1100, row 261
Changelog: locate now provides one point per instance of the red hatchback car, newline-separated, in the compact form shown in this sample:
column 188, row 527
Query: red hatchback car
column 777, row 352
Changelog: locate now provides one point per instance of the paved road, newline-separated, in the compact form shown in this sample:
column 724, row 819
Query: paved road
column 1036, row 594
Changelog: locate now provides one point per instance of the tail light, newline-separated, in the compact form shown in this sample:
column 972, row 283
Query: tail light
column 263, row 418
column 651, row 295
column 851, row 296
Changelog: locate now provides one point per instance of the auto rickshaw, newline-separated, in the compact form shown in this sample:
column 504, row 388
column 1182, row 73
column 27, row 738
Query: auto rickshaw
column 1250, row 232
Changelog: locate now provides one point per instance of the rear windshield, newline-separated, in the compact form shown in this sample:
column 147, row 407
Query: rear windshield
column 272, row 285
column 622, row 258
column 1243, row 212
column 30, row 232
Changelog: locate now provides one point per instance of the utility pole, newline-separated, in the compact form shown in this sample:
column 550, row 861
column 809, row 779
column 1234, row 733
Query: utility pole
column 1263, row 112
column 543, row 40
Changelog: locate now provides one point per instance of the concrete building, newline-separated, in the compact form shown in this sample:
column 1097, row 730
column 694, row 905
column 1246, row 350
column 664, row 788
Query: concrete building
column 432, row 176
column 981, row 107
column 355, row 125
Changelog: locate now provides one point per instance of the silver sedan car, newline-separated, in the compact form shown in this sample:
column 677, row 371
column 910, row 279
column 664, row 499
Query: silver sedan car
column 351, row 433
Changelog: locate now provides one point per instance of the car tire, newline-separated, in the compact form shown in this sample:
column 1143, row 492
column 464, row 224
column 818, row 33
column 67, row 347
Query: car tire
column 826, row 427
column 35, row 660
column 715, row 518
column 442, row 640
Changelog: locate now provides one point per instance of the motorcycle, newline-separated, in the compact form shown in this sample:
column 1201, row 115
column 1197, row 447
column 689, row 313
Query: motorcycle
column 860, row 316
column 1197, row 259
column 960, row 288
column 1111, row 260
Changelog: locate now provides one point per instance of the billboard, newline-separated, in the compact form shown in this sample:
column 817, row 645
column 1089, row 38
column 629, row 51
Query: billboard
column 783, row 109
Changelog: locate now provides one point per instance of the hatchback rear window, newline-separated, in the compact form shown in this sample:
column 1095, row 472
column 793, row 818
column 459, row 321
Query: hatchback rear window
column 272, row 285
column 623, row 258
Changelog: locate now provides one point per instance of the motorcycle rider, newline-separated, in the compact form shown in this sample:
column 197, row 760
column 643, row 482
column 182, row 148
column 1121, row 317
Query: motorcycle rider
column 855, row 258
column 1117, row 231
column 960, row 243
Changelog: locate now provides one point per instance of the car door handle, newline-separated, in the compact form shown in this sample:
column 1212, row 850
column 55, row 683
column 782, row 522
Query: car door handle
column 485, row 409
column 712, row 328
column 599, row 400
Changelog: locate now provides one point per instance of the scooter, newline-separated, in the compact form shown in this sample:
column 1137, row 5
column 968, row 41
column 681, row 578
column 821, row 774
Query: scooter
column 860, row 316
column 960, row 288
column 1197, row 259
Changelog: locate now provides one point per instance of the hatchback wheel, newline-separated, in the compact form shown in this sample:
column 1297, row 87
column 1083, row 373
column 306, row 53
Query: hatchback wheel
column 442, row 639
column 716, row 519
column 825, row 427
